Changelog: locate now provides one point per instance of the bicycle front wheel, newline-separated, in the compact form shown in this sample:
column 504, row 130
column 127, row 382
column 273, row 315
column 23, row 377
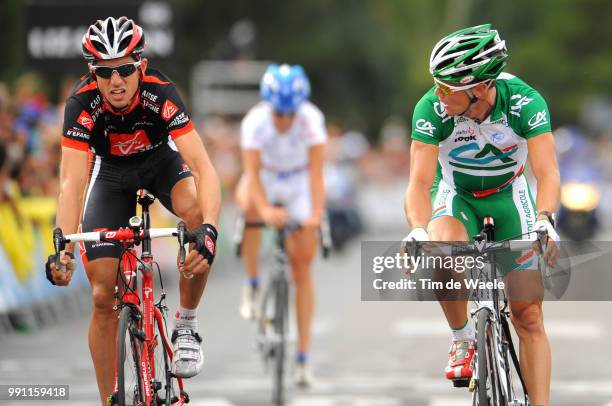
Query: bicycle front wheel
column 130, row 388
column 281, row 315
column 490, row 375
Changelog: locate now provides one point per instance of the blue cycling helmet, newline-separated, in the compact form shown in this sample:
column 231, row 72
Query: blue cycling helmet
column 285, row 87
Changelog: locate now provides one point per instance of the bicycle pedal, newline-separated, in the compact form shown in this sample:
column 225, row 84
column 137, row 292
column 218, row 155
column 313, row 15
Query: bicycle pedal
column 472, row 386
column 461, row 383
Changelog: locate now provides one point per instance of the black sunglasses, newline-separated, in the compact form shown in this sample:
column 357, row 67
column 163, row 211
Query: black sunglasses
column 124, row 70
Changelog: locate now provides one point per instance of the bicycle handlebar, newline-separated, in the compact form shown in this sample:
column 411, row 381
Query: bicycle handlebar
column 125, row 235
column 121, row 235
column 483, row 247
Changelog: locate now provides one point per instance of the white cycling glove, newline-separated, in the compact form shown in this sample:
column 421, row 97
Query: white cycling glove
column 417, row 234
column 545, row 225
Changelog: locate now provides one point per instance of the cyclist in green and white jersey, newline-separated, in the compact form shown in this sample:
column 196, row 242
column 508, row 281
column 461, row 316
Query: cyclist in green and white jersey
column 472, row 134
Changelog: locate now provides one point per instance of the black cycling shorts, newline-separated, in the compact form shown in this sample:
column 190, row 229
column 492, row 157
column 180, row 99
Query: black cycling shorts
column 111, row 195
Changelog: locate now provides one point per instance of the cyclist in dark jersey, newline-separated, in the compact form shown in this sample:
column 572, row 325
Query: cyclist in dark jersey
column 133, row 123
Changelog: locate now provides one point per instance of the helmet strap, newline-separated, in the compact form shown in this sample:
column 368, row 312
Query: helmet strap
column 473, row 100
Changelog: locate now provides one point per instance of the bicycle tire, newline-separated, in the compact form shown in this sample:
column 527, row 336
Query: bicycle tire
column 281, row 304
column 489, row 391
column 129, row 354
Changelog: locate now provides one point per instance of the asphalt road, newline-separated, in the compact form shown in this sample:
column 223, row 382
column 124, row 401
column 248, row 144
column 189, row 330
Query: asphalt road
column 364, row 353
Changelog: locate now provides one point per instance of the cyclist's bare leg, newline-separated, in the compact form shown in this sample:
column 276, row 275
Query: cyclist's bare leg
column 301, row 248
column 528, row 320
column 185, row 205
column 103, row 325
column 447, row 228
column 251, row 238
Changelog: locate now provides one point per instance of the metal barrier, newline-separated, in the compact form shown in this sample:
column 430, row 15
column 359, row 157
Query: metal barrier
column 33, row 303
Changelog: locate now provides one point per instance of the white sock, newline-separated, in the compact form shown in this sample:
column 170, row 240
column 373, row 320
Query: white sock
column 464, row 333
column 186, row 318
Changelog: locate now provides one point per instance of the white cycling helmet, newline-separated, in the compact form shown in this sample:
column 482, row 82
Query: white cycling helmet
column 113, row 38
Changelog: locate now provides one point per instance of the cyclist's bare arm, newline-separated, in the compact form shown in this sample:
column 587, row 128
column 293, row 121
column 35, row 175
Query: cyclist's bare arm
column 543, row 161
column 73, row 179
column 417, row 199
column 316, row 157
column 207, row 182
column 252, row 167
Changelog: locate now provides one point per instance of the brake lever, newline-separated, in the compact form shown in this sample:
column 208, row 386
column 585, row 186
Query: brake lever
column 59, row 244
column 542, row 239
column 543, row 242
column 181, row 240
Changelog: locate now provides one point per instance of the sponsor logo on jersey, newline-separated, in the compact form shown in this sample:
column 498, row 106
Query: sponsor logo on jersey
column 520, row 103
column 471, row 156
column 465, row 138
column 126, row 144
column 502, row 121
column 524, row 199
column 466, row 133
column 150, row 105
column 179, row 119
column 75, row 132
column 425, row 127
column 149, row 95
column 498, row 137
column 96, row 101
column 85, row 120
column 538, row 119
column 168, row 110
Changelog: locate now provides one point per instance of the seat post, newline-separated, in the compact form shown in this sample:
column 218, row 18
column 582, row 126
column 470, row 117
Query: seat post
column 489, row 228
column 145, row 199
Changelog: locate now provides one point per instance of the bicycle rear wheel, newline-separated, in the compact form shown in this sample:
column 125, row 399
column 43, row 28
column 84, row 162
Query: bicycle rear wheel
column 281, row 305
column 130, row 388
column 490, row 391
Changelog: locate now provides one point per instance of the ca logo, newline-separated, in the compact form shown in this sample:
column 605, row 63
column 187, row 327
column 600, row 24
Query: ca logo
column 538, row 119
column 425, row 127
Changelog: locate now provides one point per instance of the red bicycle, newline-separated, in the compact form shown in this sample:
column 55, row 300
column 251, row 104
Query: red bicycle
column 143, row 374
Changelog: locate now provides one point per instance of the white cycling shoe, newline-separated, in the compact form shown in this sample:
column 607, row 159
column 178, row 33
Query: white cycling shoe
column 302, row 375
column 248, row 302
column 188, row 355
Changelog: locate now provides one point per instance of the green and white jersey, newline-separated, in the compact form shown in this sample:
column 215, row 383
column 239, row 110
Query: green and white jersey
column 482, row 159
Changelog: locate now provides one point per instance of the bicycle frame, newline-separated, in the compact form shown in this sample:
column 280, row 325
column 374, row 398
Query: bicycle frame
column 149, row 311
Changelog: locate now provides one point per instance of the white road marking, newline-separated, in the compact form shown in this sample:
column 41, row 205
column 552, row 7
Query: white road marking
column 344, row 400
column 589, row 388
column 556, row 329
column 211, row 402
column 421, row 328
column 448, row 401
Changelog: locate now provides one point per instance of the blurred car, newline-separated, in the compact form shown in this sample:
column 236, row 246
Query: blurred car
column 581, row 181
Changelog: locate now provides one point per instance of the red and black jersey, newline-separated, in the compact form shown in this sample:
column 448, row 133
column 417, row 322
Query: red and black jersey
column 156, row 113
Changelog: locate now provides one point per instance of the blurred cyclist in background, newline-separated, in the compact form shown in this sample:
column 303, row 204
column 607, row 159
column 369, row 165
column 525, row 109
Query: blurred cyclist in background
column 283, row 143
column 134, row 123
column 472, row 134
